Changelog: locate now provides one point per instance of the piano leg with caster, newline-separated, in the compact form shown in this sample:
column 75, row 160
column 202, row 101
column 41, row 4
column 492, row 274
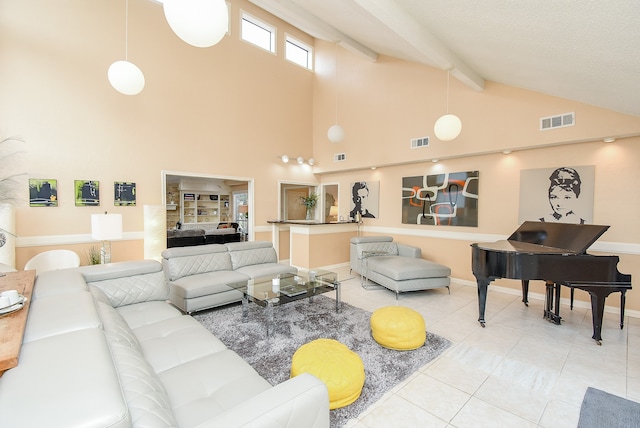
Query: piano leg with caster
column 623, row 299
column 525, row 292
column 597, row 312
column 483, row 285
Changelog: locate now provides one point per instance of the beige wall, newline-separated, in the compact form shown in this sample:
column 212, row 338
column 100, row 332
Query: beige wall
column 227, row 110
column 231, row 109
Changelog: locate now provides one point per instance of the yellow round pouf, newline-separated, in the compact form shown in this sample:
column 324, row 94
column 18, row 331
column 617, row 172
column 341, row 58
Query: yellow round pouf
column 398, row 328
column 336, row 365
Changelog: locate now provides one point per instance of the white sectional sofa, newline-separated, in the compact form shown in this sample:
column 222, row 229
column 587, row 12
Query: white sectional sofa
column 103, row 348
column 198, row 276
column 398, row 267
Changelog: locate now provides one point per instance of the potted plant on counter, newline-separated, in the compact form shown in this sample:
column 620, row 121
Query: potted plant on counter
column 309, row 202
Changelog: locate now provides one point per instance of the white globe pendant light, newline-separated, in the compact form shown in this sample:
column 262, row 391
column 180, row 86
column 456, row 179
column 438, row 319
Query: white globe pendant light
column 449, row 126
column 200, row 23
column 335, row 134
column 126, row 77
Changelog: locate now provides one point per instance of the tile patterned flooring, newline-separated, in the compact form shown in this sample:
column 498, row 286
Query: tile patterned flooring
column 519, row 371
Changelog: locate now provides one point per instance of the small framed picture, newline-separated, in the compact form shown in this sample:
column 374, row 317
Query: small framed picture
column 87, row 193
column 43, row 192
column 124, row 194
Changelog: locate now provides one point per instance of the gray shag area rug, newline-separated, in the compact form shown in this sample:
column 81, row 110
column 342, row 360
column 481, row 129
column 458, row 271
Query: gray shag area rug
column 601, row 409
column 302, row 321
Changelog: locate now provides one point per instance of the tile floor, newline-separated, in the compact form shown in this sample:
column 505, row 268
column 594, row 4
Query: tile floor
column 519, row 371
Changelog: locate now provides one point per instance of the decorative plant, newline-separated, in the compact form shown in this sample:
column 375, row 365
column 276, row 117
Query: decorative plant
column 309, row 201
column 93, row 255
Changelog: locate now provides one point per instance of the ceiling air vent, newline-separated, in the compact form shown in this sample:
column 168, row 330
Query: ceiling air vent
column 419, row 142
column 559, row 121
column 339, row 157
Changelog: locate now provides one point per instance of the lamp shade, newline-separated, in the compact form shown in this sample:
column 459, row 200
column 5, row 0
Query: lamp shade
column 106, row 227
column 333, row 211
column 200, row 23
column 126, row 77
column 335, row 134
column 447, row 127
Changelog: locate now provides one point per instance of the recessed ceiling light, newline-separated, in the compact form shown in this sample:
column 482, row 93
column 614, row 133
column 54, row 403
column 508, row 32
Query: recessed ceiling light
column 506, row 152
column 609, row 140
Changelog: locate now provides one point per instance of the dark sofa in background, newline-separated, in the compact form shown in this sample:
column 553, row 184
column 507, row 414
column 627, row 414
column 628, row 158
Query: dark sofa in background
column 226, row 232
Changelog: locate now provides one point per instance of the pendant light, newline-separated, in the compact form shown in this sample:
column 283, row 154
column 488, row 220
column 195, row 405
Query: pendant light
column 336, row 133
column 447, row 127
column 125, row 76
column 200, row 23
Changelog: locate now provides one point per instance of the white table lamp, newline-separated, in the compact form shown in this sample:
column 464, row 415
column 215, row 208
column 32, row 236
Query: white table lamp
column 106, row 227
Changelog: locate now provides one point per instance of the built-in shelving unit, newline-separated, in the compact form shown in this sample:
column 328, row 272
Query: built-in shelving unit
column 204, row 207
column 173, row 206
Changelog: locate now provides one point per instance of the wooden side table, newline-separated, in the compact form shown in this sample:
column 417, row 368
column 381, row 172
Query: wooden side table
column 12, row 325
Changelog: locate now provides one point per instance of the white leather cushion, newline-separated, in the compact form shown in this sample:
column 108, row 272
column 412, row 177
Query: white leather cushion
column 58, row 282
column 64, row 381
column 178, row 267
column 205, row 284
column 61, row 313
column 266, row 269
column 99, row 296
column 119, row 269
column 134, row 289
column 172, row 342
column 404, row 268
column 116, row 328
column 363, row 239
column 253, row 257
column 148, row 313
column 146, row 397
column 302, row 401
column 390, row 248
column 203, row 388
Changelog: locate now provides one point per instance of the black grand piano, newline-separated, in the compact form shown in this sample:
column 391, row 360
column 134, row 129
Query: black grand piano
column 556, row 254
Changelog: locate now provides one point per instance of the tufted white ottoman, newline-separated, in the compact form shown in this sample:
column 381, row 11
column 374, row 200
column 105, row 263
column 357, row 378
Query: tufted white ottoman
column 336, row 365
column 399, row 328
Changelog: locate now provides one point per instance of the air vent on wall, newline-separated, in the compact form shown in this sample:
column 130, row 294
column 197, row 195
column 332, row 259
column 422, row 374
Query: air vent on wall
column 419, row 142
column 559, row 121
column 339, row 157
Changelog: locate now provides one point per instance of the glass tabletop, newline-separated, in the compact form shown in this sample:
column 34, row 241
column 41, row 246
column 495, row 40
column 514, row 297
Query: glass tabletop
column 283, row 288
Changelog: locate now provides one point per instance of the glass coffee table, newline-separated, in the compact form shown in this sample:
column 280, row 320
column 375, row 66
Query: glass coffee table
column 281, row 289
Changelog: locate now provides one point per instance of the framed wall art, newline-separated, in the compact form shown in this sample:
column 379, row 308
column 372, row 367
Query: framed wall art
column 563, row 194
column 87, row 193
column 43, row 192
column 447, row 199
column 124, row 194
column 365, row 196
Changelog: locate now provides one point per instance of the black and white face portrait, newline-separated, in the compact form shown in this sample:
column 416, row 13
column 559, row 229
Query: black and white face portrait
column 563, row 194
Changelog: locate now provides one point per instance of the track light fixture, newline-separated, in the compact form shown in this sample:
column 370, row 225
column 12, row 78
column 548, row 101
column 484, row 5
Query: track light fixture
column 299, row 160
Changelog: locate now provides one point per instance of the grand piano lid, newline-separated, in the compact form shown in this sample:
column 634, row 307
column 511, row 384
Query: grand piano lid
column 571, row 238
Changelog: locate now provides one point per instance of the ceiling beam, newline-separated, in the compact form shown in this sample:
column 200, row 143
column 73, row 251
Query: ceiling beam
column 405, row 26
column 302, row 19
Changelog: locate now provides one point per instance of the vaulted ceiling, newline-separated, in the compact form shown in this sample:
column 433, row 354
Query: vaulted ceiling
column 582, row 50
